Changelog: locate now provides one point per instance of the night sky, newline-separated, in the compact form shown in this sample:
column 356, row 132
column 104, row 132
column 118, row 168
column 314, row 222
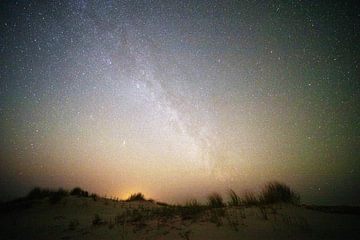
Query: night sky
column 179, row 99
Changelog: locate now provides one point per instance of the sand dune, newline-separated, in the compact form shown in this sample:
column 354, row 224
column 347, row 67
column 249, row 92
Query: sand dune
column 83, row 218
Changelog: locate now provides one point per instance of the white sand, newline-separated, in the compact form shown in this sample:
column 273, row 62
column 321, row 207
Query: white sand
column 47, row 221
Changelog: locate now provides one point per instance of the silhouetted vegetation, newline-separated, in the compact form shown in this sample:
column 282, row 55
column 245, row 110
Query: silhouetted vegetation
column 56, row 196
column 215, row 200
column 136, row 197
column 234, row 199
column 53, row 195
column 79, row 192
column 278, row 192
column 273, row 192
column 249, row 199
column 38, row 193
column 191, row 209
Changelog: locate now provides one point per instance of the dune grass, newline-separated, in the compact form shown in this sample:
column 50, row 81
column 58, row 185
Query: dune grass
column 55, row 196
column 272, row 192
column 234, row 199
column 215, row 200
column 136, row 197
column 40, row 193
column 191, row 210
column 275, row 192
column 250, row 199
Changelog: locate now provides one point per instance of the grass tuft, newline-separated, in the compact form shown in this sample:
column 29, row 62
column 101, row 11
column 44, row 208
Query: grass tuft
column 275, row 192
column 234, row 199
column 249, row 199
column 215, row 200
column 136, row 197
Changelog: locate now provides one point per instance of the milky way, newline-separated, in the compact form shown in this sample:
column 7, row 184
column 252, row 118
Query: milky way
column 180, row 98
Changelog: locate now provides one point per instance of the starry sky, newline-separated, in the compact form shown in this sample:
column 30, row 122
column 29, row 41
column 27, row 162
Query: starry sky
column 177, row 99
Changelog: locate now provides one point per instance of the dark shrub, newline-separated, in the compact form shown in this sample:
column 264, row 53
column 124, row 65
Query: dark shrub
column 136, row 197
column 79, row 192
column 38, row 193
column 76, row 191
column 56, row 196
column 278, row 192
column 215, row 200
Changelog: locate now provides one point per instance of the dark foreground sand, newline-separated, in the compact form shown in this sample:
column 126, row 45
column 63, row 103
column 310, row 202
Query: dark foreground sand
column 74, row 218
